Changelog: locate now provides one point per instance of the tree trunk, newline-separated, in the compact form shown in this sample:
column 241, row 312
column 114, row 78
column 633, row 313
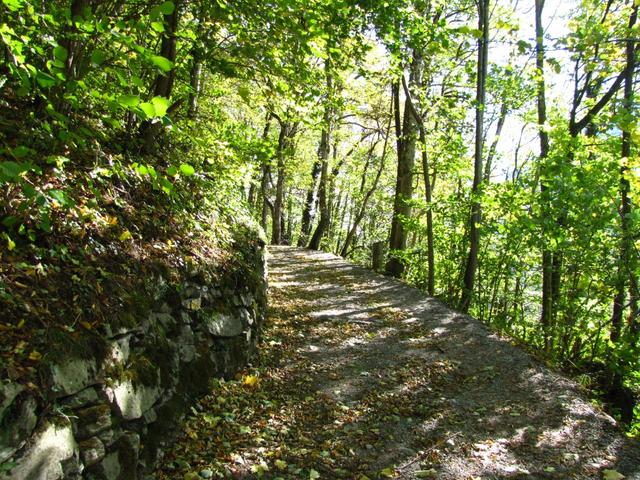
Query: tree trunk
column 547, row 256
column 288, row 130
column 474, row 219
column 308, row 209
column 323, row 158
column 195, row 82
column 626, row 260
column 406, row 141
column 365, row 201
column 168, row 48
column 431, row 263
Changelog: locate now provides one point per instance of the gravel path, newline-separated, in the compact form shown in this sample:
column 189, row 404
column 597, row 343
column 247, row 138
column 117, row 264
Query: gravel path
column 441, row 395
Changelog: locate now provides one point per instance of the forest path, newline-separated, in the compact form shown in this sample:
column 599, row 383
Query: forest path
column 363, row 377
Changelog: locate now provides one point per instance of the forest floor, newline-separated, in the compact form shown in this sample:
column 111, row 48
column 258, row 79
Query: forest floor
column 362, row 377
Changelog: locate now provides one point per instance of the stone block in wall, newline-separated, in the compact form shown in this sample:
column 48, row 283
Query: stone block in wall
column 221, row 324
column 132, row 400
column 69, row 376
column 91, row 421
column 84, row 398
column 121, row 462
column 18, row 421
column 51, row 452
column 92, row 451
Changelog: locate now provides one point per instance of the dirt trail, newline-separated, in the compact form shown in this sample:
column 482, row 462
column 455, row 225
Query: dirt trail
column 363, row 377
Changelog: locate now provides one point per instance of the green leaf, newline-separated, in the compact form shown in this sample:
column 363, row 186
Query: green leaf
column 10, row 221
column 59, row 196
column 161, row 105
column 11, row 170
column 158, row 26
column 172, row 171
column 187, row 170
column 60, row 53
column 45, row 80
column 98, row 57
column 167, row 8
column 129, row 100
column 162, row 63
column 13, row 5
column 148, row 109
column 612, row 475
column 313, row 474
column 21, row 151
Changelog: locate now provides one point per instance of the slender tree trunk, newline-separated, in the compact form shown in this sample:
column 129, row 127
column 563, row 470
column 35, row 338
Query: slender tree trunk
column 474, row 219
column 195, row 82
column 276, row 220
column 323, row 223
column 163, row 84
column 323, row 158
column 267, row 206
column 626, row 262
column 365, row 201
column 310, row 200
column 547, row 256
column 288, row 131
column 406, row 141
column 168, row 49
column 431, row 263
column 494, row 145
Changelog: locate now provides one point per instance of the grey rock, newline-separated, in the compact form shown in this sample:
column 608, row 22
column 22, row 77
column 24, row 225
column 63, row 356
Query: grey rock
column 109, row 467
column 91, row 451
column 84, row 398
column 8, row 392
column 223, row 325
column 71, row 376
column 150, row 416
column 185, row 344
column 164, row 319
column 17, row 425
column 131, row 400
column 44, row 459
column 92, row 420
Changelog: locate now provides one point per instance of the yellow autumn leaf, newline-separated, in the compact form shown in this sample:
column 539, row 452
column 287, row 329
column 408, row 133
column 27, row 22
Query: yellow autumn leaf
column 281, row 464
column 35, row 355
column 251, row 381
column 126, row 235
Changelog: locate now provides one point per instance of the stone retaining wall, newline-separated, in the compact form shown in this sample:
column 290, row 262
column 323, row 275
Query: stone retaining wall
column 107, row 413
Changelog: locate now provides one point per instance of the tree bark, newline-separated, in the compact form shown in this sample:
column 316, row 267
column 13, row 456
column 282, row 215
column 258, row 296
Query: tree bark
column 323, row 158
column 406, row 147
column 474, row 219
column 310, row 200
column 288, row 131
column 626, row 260
column 547, row 256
